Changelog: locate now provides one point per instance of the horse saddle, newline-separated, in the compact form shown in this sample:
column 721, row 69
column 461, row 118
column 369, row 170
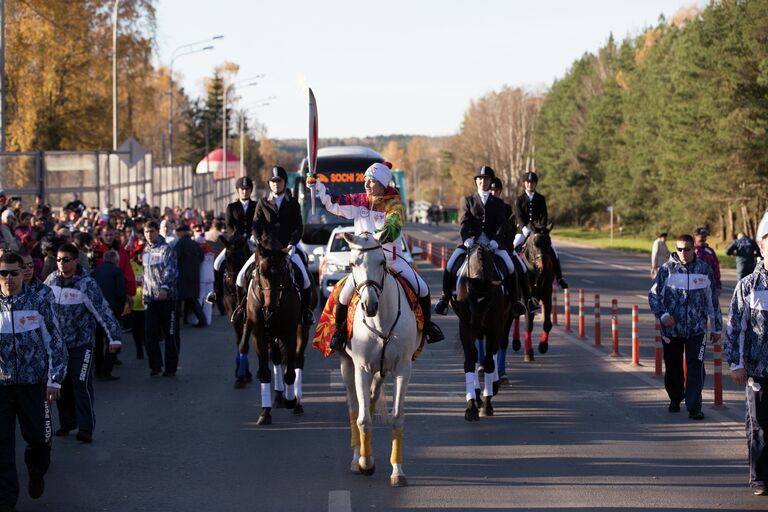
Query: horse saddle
column 501, row 268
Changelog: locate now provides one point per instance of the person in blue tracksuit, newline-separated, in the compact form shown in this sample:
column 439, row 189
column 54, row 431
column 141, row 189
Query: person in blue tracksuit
column 746, row 350
column 33, row 362
column 683, row 298
column 79, row 306
column 159, row 292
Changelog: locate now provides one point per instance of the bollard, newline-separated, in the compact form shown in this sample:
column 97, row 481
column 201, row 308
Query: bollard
column 554, row 309
column 581, row 313
column 430, row 257
column 443, row 257
column 597, row 320
column 657, row 372
column 718, row 362
column 635, row 336
column 615, row 327
column 567, row 309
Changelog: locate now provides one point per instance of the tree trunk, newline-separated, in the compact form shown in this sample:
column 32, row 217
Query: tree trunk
column 722, row 225
column 746, row 221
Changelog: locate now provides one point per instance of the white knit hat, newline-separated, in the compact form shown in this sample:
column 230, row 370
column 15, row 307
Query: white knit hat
column 762, row 228
column 380, row 172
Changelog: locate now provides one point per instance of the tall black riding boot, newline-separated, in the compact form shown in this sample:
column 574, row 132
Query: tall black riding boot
column 339, row 339
column 433, row 332
column 518, row 307
column 218, row 282
column 530, row 302
column 441, row 308
column 558, row 270
column 307, row 318
column 238, row 315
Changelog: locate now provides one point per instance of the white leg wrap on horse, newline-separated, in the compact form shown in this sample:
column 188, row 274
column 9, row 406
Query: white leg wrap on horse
column 470, row 379
column 241, row 274
column 397, row 470
column 290, row 391
column 488, row 391
column 219, row 260
column 477, row 375
column 495, row 367
column 277, row 373
column 299, row 371
column 266, row 395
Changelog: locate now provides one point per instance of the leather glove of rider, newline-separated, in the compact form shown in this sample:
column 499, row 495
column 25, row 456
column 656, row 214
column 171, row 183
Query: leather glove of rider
column 563, row 284
column 493, row 245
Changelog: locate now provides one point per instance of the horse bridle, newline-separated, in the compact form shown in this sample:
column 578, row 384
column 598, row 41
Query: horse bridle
column 262, row 289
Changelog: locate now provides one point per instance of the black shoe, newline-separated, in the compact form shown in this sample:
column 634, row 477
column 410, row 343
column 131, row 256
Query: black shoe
column 140, row 356
column 339, row 339
column 117, row 362
column 211, row 298
column 155, row 373
column 63, row 431
column 36, row 487
column 200, row 325
column 169, row 374
column 84, row 437
column 759, row 490
column 307, row 318
column 674, row 406
column 7, row 508
column 441, row 308
column 434, row 334
column 696, row 415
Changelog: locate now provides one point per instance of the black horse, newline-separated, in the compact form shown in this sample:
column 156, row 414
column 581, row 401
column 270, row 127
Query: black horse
column 236, row 254
column 273, row 317
column 482, row 307
column 537, row 251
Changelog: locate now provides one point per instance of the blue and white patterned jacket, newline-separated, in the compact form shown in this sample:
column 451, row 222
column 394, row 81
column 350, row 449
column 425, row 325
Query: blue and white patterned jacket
column 746, row 340
column 687, row 293
column 78, row 305
column 160, row 270
column 31, row 347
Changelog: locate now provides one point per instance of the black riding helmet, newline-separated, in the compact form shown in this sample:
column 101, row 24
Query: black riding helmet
column 278, row 173
column 496, row 184
column 485, row 171
column 244, row 182
column 531, row 176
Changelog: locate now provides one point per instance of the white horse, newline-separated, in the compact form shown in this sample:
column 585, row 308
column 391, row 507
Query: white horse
column 383, row 341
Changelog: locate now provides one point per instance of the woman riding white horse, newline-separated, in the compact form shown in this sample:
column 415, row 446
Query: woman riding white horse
column 379, row 209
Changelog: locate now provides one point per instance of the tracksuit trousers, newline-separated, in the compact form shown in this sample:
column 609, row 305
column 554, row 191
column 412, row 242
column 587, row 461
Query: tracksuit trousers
column 75, row 403
column 28, row 404
column 678, row 385
column 162, row 322
column 757, row 430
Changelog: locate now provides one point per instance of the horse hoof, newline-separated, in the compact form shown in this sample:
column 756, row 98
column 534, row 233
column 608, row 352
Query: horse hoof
column 543, row 347
column 240, row 383
column 496, row 386
column 367, row 472
column 503, row 379
column 299, row 409
column 487, row 408
column 516, row 344
column 398, row 481
column 264, row 419
column 472, row 414
column 290, row 404
column 279, row 400
column 528, row 358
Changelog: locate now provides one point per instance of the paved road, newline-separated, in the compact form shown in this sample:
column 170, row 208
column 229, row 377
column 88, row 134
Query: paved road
column 574, row 430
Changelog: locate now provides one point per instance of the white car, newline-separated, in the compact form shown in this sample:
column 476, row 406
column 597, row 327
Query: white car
column 334, row 263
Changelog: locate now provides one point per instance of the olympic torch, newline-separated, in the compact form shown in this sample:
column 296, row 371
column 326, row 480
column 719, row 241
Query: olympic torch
column 312, row 149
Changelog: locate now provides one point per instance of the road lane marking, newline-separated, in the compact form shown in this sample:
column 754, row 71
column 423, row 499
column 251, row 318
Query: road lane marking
column 336, row 381
column 588, row 281
column 600, row 262
column 339, row 501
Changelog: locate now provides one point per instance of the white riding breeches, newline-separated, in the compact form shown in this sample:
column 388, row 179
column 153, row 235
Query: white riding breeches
column 219, row 261
column 400, row 267
column 295, row 258
column 504, row 255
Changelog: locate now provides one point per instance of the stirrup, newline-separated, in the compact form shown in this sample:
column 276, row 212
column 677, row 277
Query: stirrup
column 441, row 308
column 434, row 334
column 307, row 317
column 533, row 305
column 338, row 341
column 238, row 315
column 211, row 298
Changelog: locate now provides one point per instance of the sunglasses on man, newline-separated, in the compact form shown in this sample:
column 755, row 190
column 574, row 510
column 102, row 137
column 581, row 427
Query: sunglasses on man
column 13, row 273
column 64, row 259
column 683, row 249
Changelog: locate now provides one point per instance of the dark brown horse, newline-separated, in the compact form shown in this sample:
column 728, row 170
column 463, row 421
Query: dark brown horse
column 273, row 318
column 538, row 254
column 482, row 308
column 236, row 254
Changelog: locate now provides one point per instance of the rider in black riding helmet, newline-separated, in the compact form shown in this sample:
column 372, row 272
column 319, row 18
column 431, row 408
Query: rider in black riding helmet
column 481, row 214
column 239, row 223
column 531, row 304
column 531, row 209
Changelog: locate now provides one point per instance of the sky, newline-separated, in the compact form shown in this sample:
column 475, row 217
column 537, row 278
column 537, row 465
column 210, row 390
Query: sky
column 395, row 67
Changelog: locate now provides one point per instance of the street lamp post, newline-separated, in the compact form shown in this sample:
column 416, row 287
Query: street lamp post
column 175, row 56
column 114, row 75
column 226, row 87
